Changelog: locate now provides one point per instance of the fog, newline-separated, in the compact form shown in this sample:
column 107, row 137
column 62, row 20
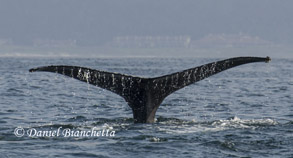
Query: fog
column 97, row 23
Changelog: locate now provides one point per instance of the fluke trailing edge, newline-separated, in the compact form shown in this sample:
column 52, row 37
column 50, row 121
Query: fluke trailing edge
column 144, row 95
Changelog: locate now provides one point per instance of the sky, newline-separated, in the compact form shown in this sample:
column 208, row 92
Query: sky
column 96, row 22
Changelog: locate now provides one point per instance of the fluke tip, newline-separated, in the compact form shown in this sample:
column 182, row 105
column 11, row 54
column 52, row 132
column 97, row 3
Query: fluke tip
column 32, row 70
column 268, row 59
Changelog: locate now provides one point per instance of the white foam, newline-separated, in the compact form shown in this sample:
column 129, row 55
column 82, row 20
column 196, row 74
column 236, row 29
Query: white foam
column 219, row 125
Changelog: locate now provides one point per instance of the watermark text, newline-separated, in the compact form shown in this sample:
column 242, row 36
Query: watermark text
column 63, row 132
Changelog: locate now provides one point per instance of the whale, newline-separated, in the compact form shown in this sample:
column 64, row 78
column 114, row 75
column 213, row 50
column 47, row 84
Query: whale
column 144, row 95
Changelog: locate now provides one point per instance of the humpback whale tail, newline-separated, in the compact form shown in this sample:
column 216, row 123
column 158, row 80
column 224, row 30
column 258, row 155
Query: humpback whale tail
column 144, row 95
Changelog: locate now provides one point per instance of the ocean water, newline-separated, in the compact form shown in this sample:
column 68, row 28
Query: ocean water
column 246, row 111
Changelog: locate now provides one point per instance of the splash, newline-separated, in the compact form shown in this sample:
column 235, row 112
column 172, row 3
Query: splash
column 187, row 127
column 236, row 122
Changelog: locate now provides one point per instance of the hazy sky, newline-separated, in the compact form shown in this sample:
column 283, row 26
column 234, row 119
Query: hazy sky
column 98, row 21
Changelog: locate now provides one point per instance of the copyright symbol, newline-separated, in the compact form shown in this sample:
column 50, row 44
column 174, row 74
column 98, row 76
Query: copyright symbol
column 19, row 132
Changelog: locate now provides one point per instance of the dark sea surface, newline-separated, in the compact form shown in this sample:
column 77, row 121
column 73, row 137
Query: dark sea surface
column 246, row 111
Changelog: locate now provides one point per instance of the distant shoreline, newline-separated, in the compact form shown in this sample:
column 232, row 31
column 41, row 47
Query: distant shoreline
column 274, row 51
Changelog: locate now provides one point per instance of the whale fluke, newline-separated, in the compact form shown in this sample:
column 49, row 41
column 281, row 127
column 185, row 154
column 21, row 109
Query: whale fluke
column 144, row 95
